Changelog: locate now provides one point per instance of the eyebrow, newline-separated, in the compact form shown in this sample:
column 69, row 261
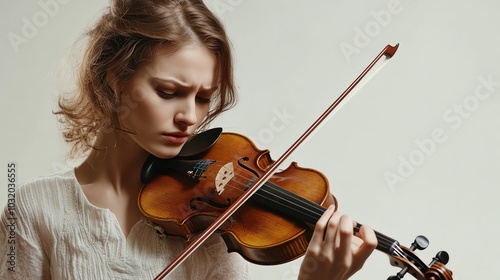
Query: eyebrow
column 184, row 85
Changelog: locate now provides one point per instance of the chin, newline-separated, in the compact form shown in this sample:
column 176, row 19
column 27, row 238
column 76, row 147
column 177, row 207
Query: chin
column 165, row 152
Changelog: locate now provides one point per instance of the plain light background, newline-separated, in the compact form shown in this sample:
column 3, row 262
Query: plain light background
column 414, row 152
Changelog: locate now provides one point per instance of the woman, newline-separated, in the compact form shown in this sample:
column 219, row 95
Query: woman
column 153, row 74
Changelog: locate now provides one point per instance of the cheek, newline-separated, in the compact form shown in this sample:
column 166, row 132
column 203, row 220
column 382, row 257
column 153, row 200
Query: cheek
column 146, row 114
column 153, row 114
column 202, row 112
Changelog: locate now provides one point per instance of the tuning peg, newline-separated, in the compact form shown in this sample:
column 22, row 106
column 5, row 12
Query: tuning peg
column 442, row 257
column 421, row 242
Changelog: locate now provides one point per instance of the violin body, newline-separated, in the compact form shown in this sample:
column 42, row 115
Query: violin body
column 189, row 195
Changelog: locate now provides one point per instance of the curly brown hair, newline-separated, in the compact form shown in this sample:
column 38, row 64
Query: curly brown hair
column 128, row 33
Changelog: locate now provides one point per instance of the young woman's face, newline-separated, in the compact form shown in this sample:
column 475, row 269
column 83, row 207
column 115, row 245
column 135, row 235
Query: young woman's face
column 167, row 98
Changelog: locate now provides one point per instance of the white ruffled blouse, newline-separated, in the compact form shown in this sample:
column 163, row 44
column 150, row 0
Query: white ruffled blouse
column 59, row 234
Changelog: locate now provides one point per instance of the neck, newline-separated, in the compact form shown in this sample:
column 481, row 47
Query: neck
column 117, row 164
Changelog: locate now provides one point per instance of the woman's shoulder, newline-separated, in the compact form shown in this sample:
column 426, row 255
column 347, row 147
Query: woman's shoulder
column 48, row 183
column 57, row 176
column 46, row 192
column 39, row 203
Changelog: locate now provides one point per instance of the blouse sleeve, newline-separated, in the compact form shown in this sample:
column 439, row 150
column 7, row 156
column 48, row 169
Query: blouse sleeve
column 22, row 254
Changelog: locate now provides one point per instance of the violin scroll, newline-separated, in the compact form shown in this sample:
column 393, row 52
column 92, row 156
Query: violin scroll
column 410, row 263
column 437, row 269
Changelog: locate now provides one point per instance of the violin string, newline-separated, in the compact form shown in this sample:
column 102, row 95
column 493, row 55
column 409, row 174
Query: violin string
column 300, row 204
column 385, row 242
column 306, row 207
column 284, row 194
column 310, row 209
column 388, row 243
column 317, row 210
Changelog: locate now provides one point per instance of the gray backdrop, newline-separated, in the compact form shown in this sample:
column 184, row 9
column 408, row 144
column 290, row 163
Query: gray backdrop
column 414, row 152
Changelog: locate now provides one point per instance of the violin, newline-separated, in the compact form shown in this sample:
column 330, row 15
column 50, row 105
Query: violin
column 222, row 182
column 186, row 195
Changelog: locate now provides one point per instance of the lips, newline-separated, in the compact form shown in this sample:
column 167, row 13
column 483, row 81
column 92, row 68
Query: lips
column 176, row 137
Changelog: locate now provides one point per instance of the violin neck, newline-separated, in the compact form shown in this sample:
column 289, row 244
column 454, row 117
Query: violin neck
column 289, row 204
column 385, row 244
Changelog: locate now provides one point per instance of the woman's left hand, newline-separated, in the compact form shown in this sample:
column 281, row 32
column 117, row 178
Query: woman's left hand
column 334, row 252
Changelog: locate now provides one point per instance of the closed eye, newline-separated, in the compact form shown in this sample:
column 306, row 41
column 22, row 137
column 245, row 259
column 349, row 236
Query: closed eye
column 205, row 96
column 203, row 99
column 167, row 94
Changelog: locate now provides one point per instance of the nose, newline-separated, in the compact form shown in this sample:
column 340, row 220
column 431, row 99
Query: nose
column 186, row 113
